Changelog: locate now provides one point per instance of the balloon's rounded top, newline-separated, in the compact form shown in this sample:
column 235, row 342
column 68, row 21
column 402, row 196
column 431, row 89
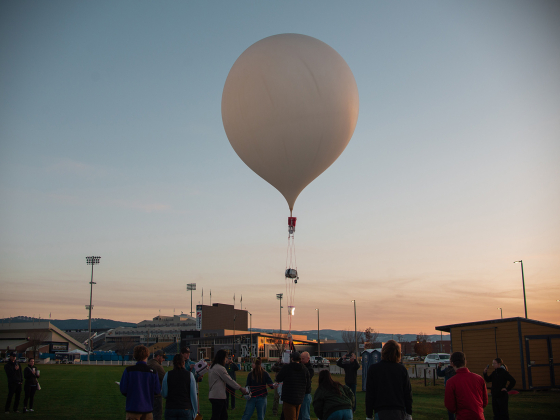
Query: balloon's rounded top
column 289, row 107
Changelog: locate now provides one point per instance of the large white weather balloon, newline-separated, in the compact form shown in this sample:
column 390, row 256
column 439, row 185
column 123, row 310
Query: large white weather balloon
column 289, row 107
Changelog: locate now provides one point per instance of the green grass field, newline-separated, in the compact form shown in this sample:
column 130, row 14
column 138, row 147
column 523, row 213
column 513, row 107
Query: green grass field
column 73, row 392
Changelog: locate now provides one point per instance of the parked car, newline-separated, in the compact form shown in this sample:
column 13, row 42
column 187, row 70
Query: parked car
column 434, row 359
column 318, row 361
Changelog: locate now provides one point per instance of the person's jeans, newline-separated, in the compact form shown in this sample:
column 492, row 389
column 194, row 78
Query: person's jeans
column 341, row 415
column 13, row 389
column 304, row 411
column 353, row 389
column 258, row 403
column 178, row 414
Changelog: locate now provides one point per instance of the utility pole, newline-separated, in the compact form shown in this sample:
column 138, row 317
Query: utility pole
column 318, row 338
column 355, row 329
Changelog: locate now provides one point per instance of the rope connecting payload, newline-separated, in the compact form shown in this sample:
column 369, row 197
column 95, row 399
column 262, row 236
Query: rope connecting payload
column 291, row 273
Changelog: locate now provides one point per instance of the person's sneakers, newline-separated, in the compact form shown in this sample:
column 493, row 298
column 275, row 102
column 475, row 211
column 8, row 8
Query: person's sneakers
column 31, row 409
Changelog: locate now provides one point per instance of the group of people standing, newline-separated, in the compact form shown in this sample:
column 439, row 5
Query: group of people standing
column 15, row 381
column 388, row 388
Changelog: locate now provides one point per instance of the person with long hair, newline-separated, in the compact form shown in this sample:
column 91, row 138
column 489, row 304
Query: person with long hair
column 217, row 380
column 500, row 378
column 332, row 400
column 257, row 382
column 179, row 390
column 388, row 389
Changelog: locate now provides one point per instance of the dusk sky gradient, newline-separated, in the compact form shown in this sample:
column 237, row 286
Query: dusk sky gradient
column 112, row 144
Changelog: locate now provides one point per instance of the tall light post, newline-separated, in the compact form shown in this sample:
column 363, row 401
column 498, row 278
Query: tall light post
column 251, row 335
column 523, row 280
column 280, row 296
column 501, row 313
column 90, row 261
column 318, row 338
column 191, row 287
column 355, row 329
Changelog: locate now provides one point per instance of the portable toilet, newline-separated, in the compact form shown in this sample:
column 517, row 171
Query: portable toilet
column 369, row 357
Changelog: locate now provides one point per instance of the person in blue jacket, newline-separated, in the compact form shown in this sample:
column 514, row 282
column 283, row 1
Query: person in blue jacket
column 140, row 384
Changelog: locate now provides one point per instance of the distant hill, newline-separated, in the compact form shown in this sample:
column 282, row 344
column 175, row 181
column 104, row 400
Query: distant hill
column 100, row 323
column 73, row 324
column 337, row 335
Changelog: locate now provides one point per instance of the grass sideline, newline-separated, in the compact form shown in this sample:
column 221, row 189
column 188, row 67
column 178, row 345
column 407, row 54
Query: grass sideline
column 75, row 391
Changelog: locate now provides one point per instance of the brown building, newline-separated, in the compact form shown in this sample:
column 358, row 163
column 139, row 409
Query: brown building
column 527, row 347
column 220, row 316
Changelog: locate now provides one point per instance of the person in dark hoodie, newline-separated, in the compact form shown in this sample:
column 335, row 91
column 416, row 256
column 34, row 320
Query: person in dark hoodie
column 388, row 389
column 15, row 379
column 500, row 378
column 295, row 378
column 447, row 374
column 140, row 384
column 332, row 401
column 351, row 367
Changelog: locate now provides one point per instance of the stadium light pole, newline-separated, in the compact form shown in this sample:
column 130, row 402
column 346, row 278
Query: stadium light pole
column 191, row 287
column 280, row 296
column 355, row 330
column 501, row 313
column 318, row 338
column 523, row 280
column 90, row 261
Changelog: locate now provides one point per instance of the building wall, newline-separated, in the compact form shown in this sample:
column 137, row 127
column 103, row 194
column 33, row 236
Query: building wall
column 538, row 351
column 220, row 316
column 483, row 343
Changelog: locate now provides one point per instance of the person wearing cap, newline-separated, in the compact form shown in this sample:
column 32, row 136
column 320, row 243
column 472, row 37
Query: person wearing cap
column 295, row 379
column 15, row 379
column 231, row 368
column 155, row 364
column 189, row 364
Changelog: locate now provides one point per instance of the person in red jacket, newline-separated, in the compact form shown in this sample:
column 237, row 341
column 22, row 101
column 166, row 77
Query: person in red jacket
column 465, row 393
